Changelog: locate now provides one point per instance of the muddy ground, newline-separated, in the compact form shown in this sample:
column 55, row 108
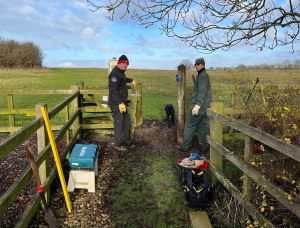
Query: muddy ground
column 98, row 209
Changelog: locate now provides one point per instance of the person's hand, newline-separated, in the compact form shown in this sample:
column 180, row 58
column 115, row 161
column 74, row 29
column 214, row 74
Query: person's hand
column 133, row 83
column 122, row 108
column 195, row 110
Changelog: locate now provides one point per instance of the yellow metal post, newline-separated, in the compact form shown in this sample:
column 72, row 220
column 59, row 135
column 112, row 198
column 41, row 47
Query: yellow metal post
column 56, row 158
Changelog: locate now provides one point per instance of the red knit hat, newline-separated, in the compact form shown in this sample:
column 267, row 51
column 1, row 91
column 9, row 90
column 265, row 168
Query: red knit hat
column 123, row 59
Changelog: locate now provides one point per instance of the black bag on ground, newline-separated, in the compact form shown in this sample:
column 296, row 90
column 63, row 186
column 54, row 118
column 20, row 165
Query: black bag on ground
column 197, row 186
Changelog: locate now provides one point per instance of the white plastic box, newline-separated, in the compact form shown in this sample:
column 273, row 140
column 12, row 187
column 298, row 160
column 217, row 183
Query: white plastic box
column 83, row 178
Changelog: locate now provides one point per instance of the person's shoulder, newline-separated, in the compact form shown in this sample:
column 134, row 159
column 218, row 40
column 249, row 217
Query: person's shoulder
column 204, row 74
column 114, row 72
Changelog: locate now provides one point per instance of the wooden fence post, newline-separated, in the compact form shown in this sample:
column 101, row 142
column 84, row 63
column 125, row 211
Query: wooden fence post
column 67, row 109
column 139, row 108
column 216, row 134
column 246, row 180
column 42, row 141
column 180, row 78
column 133, row 107
column 74, row 107
column 11, row 117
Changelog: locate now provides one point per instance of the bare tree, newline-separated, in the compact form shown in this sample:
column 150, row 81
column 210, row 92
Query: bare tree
column 215, row 24
column 188, row 64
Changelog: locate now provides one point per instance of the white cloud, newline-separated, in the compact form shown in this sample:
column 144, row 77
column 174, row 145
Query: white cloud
column 27, row 10
column 66, row 64
column 88, row 33
column 70, row 35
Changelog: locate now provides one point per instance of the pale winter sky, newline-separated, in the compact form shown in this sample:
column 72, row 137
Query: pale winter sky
column 70, row 35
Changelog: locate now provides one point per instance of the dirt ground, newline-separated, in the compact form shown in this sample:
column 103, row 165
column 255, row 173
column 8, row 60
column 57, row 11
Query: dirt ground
column 98, row 209
column 89, row 209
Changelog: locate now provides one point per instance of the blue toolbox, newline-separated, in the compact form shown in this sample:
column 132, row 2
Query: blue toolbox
column 83, row 156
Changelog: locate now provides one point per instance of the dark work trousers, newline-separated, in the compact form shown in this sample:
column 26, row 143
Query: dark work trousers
column 199, row 125
column 121, row 126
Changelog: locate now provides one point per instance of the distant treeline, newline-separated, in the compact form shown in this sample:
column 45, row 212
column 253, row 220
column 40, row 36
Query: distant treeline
column 285, row 65
column 15, row 54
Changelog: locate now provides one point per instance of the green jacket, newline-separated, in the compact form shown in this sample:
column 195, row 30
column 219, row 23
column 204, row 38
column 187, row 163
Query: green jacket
column 202, row 91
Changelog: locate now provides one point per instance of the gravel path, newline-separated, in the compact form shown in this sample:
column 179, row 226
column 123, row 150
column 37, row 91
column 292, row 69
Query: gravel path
column 94, row 209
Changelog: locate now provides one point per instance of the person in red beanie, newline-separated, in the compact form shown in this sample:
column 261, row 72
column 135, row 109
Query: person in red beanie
column 118, row 102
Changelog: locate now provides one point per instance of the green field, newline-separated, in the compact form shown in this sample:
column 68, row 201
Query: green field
column 153, row 174
column 159, row 86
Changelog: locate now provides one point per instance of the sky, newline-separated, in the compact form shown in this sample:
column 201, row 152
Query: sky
column 70, row 35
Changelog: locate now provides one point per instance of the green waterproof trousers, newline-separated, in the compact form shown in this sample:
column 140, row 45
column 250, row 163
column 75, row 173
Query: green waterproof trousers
column 199, row 125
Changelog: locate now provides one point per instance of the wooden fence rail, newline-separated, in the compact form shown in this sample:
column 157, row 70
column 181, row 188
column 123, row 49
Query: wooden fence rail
column 217, row 122
column 73, row 111
column 9, row 144
column 86, row 94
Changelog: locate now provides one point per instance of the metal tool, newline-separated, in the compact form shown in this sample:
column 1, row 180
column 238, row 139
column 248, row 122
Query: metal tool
column 49, row 215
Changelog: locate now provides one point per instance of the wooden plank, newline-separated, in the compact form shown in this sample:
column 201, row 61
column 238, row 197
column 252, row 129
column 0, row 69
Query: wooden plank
column 14, row 190
column 24, row 133
column 14, row 129
column 34, row 204
column 19, row 111
column 289, row 150
column 20, row 136
column 56, row 109
column 275, row 191
column 94, row 91
column 102, row 131
column 35, row 91
column 94, row 121
column 199, row 219
column 251, row 209
column 98, row 125
column 9, row 129
column 95, row 109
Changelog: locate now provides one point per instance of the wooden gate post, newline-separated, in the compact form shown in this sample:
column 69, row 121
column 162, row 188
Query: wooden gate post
column 180, row 78
column 74, row 107
column 139, row 108
column 111, row 64
column 67, row 109
column 42, row 142
column 216, row 134
column 133, row 107
column 246, row 180
column 11, row 117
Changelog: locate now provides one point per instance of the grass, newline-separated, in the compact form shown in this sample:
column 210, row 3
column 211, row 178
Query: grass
column 159, row 86
column 147, row 193
column 138, row 185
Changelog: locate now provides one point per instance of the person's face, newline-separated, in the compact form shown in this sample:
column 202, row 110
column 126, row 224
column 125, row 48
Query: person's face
column 123, row 66
column 199, row 66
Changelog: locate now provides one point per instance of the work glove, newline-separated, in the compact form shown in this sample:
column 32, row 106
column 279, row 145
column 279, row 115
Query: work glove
column 122, row 107
column 133, row 83
column 195, row 110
